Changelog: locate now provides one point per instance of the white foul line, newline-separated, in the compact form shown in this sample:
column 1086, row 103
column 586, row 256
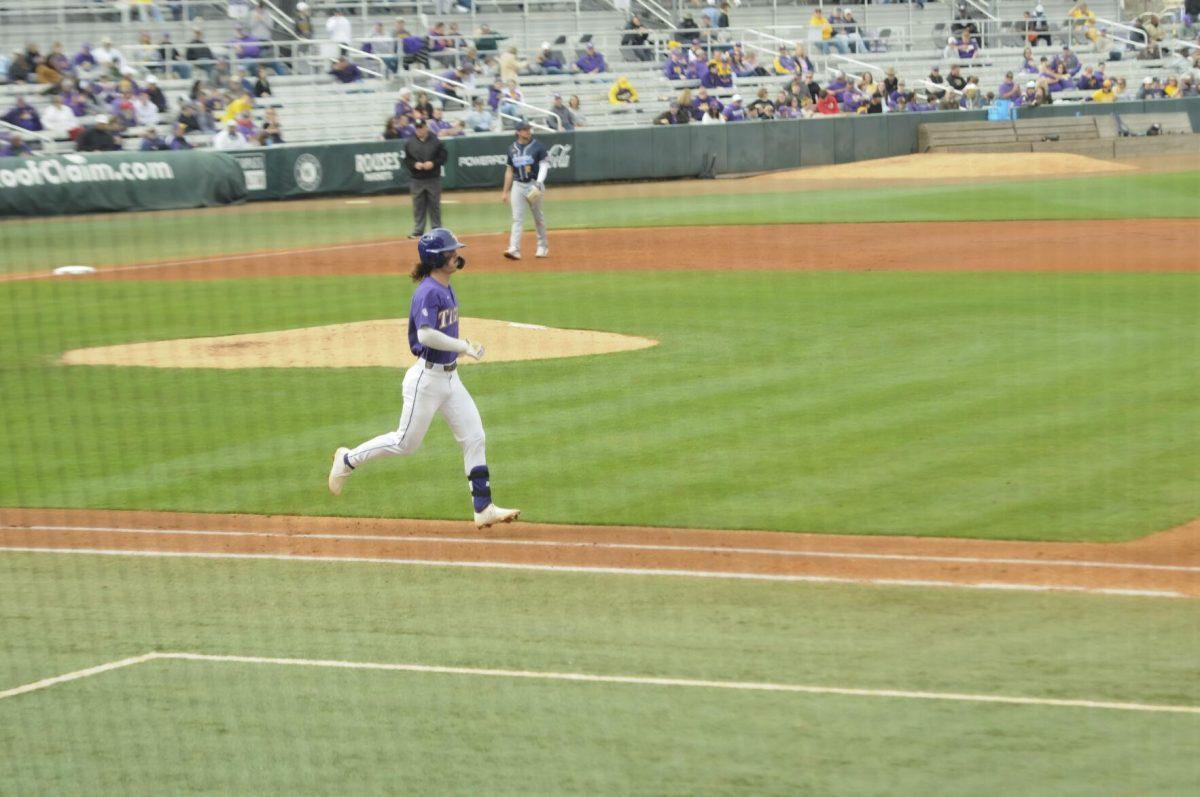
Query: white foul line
column 632, row 680
column 622, row 571
column 623, row 546
column 45, row 683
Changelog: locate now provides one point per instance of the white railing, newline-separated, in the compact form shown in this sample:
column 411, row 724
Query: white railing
column 471, row 91
column 48, row 140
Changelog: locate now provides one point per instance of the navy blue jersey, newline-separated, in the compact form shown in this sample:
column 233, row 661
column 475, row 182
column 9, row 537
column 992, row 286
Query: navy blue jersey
column 524, row 160
column 433, row 305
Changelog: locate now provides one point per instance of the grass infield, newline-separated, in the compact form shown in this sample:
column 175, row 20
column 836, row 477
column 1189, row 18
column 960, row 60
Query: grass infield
column 1031, row 406
column 172, row 726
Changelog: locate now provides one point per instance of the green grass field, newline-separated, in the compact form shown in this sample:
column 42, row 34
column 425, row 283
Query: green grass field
column 36, row 245
column 1006, row 406
column 197, row 727
column 1018, row 406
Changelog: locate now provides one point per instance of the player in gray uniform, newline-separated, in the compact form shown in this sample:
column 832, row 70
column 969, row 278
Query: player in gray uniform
column 432, row 385
column 525, row 184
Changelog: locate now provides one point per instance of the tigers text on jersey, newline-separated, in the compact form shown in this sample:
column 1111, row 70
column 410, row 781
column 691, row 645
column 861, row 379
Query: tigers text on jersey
column 524, row 159
column 433, row 305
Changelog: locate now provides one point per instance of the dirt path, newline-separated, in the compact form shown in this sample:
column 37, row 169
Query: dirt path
column 1162, row 564
column 1075, row 246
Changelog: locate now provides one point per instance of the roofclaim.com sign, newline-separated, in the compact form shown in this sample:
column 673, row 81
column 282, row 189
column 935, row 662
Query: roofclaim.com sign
column 76, row 169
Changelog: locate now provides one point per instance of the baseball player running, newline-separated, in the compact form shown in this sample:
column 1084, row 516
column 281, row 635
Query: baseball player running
column 525, row 184
column 432, row 385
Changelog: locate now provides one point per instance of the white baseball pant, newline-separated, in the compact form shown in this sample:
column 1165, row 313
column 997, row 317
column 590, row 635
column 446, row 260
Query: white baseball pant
column 519, row 204
column 428, row 391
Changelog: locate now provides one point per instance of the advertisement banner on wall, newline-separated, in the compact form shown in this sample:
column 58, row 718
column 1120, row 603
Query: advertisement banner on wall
column 480, row 162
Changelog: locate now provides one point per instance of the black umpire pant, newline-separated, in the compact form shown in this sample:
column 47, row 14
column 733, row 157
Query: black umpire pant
column 427, row 200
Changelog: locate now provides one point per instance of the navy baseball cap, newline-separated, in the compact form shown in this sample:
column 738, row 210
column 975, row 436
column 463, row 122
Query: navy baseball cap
column 524, row 126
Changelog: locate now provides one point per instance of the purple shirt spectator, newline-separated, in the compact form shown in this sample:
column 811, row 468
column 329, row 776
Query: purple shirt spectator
column 591, row 61
column 247, row 46
column 734, row 112
column 84, row 58
column 346, row 72
column 701, row 99
column 402, row 109
column 413, row 44
column 23, row 116
column 675, row 68
column 849, row 100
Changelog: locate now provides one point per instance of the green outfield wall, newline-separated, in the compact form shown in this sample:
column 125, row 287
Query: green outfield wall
column 154, row 181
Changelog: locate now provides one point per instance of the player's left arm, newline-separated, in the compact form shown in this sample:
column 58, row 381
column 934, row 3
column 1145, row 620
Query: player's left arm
column 431, row 338
column 543, row 171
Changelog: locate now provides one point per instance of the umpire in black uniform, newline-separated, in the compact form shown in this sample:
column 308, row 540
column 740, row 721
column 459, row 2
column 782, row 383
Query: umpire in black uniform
column 424, row 156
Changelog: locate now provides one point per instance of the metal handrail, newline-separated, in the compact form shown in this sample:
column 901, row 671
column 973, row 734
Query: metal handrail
column 280, row 17
column 471, row 91
column 849, row 60
column 27, row 133
column 369, row 56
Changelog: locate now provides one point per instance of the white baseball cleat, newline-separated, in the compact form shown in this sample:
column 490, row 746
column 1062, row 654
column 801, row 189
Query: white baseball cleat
column 339, row 472
column 492, row 514
column 543, row 251
column 512, row 254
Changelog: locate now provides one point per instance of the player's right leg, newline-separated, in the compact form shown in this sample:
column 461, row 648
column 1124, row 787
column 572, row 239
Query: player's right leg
column 423, row 396
column 517, row 199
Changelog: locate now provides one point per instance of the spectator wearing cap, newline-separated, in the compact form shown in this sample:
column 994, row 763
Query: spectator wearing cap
column 622, row 92
column 344, row 71
column 98, row 137
column 634, row 39
column 935, row 77
column 24, row 116
column 848, row 29
column 424, row 156
column 1150, row 90
column 591, row 62
column 837, row 82
column 481, row 119
column 676, row 114
column 230, row 137
column 565, row 119
column 734, row 111
column 15, row 148
column 547, row 62
column 152, row 141
column 1029, row 96
column 950, row 51
column 109, row 58
column 719, row 74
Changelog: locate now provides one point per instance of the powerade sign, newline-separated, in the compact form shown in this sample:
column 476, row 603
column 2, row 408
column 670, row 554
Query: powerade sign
column 78, row 170
column 480, row 162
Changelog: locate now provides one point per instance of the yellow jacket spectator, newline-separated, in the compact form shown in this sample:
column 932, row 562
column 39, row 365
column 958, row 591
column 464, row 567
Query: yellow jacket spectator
column 241, row 104
column 818, row 20
column 622, row 92
column 1104, row 93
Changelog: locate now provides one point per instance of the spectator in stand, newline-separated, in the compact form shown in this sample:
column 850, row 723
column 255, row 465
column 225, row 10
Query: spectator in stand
column 851, row 32
column 198, row 54
column 837, row 82
column 345, row 72
column 562, row 118
column 950, row 51
column 1040, row 27
column 1083, row 23
column 1151, row 89
column 674, row 115
column 703, row 102
column 850, row 100
column 899, row 93
column 547, row 63
column 758, row 108
column 622, row 92
column 803, row 62
column 172, row 59
column 391, row 130
column 866, row 84
column 1029, row 94
column 84, row 62
column 1104, row 93
column 577, row 111
column 935, row 76
column 511, row 65
column 57, row 119
column 24, row 116
column 1089, row 80
column 144, row 110
column 262, row 85
column 591, row 62
column 481, row 119
column 271, row 127
column 241, row 103
column 147, row 10
column 723, row 17
column 1029, row 64
column 423, row 106
column 46, row 74
column 955, row 78
column 510, row 99
column 189, row 117
column 15, row 148
column 260, row 24
column 1066, row 63
column 712, row 116
column 152, row 141
column 1009, row 90
column 820, row 33
column 827, row 104
column 675, row 67
column 785, row 62
column 98, row 137
column 109, row 59
column 178, row 138
column 966, row 49
column 1049, row 76
column 230, row 137
column 634, row 39
column 719, row 74
column 1121, row 90
column 446, row 83
column 875, row 104
column 338, row 29
column 438, row 124
column 972, row 98
column 403, row 103
column 734, row 111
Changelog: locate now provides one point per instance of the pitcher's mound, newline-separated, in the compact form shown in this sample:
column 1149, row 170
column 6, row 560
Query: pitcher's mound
column 368, row 344
column 957, row 165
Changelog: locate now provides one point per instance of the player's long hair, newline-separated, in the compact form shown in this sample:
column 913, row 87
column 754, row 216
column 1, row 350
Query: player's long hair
column 420, row 271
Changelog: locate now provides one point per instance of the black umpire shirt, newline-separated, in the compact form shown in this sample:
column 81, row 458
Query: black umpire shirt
column 431, row 149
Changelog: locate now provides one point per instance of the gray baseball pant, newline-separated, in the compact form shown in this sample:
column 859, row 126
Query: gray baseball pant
column 519, row 205
column 427, row 200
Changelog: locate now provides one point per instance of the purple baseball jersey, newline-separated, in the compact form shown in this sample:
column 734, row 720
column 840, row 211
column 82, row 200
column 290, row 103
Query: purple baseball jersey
column 433, row 305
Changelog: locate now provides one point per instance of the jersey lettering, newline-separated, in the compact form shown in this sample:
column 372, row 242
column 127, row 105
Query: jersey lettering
column 447, row 317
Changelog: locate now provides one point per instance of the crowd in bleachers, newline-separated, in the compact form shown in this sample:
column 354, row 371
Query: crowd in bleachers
column 465, row 83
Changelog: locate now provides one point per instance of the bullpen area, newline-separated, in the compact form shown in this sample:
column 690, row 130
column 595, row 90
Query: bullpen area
column 831, row 484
